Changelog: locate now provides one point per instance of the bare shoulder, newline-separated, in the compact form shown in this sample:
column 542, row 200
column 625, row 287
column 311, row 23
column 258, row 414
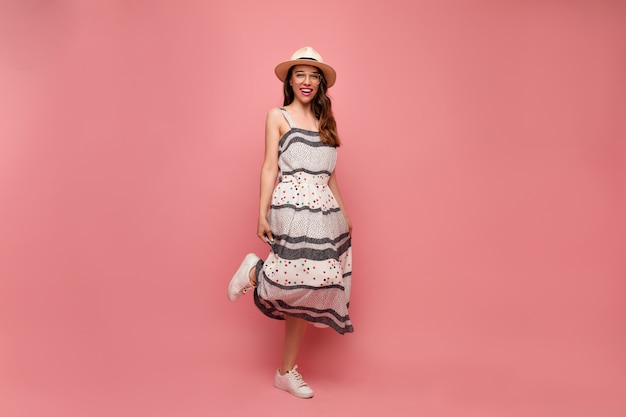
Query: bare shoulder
column 276, row 121
column 274, row 116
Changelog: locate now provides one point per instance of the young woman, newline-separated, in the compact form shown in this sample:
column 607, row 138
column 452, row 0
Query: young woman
column 307, row 275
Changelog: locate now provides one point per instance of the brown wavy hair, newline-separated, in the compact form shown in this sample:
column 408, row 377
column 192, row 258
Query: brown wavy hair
column 322, row 108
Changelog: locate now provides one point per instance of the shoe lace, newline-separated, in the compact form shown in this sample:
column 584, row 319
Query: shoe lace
column 296, row 378
column 247, row 288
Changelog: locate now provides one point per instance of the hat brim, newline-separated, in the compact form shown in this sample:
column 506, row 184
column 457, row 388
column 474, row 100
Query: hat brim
column 330, row 75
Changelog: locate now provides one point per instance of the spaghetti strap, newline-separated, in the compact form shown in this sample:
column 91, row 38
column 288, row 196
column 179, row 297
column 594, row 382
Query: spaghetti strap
column 288, row 118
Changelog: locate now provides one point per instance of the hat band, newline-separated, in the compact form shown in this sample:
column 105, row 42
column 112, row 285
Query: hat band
column 312, row 59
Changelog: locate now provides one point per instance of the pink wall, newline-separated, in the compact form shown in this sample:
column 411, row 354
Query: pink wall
column 484, row 169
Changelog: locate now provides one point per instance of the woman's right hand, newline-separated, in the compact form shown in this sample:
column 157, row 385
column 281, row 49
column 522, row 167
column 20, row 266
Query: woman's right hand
column 263, row 230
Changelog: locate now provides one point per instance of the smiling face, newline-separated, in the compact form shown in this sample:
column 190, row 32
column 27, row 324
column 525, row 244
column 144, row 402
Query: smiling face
column 305, row 81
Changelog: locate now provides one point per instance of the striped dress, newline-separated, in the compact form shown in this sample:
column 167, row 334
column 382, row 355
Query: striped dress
column 308, row 271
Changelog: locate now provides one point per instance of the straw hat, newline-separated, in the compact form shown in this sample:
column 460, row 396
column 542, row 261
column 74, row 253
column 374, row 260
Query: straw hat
column 307, row 56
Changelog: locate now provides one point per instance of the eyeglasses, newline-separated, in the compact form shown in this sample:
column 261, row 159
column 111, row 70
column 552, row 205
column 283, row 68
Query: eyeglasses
column 300, row 76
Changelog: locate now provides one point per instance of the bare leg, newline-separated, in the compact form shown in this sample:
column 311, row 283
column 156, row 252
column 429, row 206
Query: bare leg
column 252, row 275
column 294, row 331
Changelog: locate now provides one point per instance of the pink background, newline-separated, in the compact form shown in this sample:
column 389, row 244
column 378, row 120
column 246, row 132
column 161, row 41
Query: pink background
column 484, row 169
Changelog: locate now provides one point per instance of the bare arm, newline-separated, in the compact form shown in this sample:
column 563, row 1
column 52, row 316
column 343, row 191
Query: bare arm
column 334, row 187
column 269, row 170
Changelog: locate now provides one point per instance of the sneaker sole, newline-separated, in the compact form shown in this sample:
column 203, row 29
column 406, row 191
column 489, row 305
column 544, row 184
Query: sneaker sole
column 295, row 394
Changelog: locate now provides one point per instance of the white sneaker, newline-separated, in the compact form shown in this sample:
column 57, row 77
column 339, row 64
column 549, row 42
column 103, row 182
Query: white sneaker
column 240, row 283
column 292, row 382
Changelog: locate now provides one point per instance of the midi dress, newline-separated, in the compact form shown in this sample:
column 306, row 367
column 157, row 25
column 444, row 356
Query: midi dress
column 308, row 271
